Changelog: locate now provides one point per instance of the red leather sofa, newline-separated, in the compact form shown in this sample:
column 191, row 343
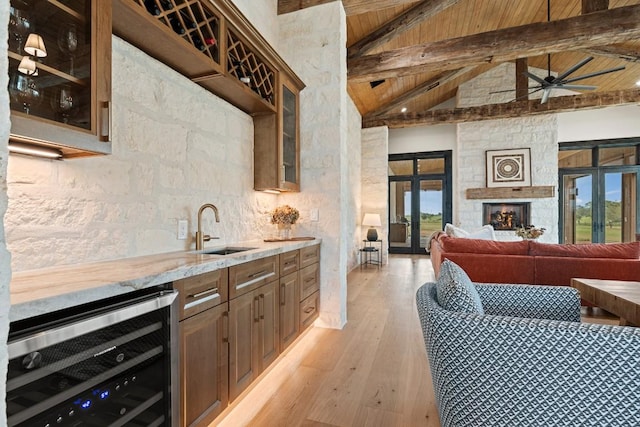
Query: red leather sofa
column 532, row 262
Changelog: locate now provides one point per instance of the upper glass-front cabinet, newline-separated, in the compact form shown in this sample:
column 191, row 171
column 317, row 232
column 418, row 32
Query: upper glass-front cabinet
column 290, row 150
column 60, row 75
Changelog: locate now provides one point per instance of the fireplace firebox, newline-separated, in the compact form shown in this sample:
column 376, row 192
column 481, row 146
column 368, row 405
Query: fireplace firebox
column 506, row 216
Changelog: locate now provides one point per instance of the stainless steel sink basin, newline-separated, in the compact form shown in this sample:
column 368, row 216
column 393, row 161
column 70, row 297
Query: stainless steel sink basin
column 224, row 251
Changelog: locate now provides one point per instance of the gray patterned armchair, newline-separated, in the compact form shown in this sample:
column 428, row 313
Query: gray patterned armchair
column 527, row 361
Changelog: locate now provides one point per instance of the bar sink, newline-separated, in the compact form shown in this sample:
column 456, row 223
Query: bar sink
column 224, row 251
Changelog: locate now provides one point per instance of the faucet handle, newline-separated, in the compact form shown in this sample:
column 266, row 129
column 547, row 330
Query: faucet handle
column 207, row 237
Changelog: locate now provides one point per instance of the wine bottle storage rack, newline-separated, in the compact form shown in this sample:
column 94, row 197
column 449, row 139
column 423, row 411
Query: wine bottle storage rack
column 243, row 64
column 190, row 20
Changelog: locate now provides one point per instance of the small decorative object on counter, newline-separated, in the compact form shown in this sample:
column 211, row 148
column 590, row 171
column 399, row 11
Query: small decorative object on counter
column 529, row 232
column 284, row 216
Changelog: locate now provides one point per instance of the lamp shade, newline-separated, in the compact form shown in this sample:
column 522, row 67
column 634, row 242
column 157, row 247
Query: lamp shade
column 372, row 220
column 35, row 46
column 28, row 66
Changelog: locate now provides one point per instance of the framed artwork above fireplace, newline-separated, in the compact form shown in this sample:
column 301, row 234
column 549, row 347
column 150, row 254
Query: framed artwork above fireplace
column 509, row 168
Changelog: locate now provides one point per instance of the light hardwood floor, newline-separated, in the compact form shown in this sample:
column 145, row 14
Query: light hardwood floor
column 374, row 372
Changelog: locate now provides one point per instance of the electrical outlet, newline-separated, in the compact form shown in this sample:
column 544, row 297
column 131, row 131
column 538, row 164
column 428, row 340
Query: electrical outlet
column 314, row 215
column 183, row 226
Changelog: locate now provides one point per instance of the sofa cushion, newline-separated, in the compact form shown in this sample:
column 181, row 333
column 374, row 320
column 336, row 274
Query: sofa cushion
column 478, row 246
column 484, row 233
column 455, row 291
column 629, row 250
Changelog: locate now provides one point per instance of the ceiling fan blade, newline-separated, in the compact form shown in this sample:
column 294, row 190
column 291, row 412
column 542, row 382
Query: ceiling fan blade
column 513, row 90
column 597, row 73
column 543, row 82
column 574, row 68
column 545, row 95
column 538, row 89
column 576, row 87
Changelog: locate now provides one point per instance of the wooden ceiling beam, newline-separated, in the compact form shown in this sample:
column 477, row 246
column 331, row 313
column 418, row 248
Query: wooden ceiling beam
column 351, row 7
column 616, row 52
column 357, row 7
column 412, row 17
column 522, row 80
column 419, row 90
column 287, row 6
column 506, row 110
column 579, row 32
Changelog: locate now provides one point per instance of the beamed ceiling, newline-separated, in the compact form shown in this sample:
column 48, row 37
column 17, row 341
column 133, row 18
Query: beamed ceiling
column 417, row 53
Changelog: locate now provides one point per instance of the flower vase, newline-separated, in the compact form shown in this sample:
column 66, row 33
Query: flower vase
column 284, row 231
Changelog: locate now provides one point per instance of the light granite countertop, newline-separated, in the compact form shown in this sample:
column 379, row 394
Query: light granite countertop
column 45, row 290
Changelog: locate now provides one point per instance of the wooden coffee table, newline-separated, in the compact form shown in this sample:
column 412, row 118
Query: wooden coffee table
column 618, row 297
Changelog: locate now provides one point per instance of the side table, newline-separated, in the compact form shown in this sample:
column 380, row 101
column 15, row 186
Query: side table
column 370, row 253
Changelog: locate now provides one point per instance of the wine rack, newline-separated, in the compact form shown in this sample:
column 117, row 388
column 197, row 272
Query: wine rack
column 190, row 20
column 246, row 66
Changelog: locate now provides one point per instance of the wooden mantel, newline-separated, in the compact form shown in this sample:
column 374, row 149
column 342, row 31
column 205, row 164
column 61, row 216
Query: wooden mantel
column 534, row 192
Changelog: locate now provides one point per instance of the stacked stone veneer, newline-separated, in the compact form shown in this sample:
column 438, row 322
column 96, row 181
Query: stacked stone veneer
column 313, row 43
column 375, row 190
column 175, row 147
column 538, row 133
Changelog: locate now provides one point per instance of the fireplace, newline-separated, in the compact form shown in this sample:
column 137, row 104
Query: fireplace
column 506, row 216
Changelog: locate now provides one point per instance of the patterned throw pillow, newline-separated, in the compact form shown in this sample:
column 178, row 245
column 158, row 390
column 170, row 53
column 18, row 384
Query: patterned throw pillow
column 455, row 291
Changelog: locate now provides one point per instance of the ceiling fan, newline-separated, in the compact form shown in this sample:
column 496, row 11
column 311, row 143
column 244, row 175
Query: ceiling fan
column 562, row 81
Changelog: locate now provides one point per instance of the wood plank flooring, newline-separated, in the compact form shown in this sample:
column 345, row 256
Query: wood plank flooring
column 374, row 372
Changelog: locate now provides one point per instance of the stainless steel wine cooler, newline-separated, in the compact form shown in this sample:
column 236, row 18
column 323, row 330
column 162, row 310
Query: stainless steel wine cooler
column 109, row 363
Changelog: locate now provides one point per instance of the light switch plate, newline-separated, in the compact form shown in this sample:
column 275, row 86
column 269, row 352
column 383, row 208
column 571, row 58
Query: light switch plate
column 314, row 215
column 183, row 226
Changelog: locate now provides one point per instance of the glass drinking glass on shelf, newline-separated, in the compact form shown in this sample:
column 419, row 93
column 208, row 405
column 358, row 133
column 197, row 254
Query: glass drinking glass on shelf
column 64, row 103
column 68, row 43
column 25, row 90
column 19, row 27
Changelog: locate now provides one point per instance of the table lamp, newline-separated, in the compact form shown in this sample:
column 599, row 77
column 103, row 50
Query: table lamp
column 372, row 220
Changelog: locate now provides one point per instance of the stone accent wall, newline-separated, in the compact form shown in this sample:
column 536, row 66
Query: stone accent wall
column 263, row 15
column 313, row 43
column 5, row 257
column 169, row 135
column 538, row 133
column 375, row 183
column 354, row 184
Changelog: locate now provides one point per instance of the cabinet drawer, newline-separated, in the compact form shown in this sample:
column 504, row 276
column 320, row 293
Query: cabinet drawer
column 289, row 262
column 246, row 277
column 309, row 280
column 201, row 292
column 309, row 309
column 309, row 255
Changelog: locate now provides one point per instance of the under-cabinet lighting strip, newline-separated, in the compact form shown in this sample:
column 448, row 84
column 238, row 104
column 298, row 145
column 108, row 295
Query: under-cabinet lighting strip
column 34, row 150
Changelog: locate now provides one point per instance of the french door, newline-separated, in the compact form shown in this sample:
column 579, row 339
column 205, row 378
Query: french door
column 599, row 204
column 419, row 199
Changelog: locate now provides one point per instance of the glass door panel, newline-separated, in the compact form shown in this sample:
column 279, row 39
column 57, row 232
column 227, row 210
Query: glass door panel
column 578, row 208
column 400, row 209
column 431, row 203
column 619, row 207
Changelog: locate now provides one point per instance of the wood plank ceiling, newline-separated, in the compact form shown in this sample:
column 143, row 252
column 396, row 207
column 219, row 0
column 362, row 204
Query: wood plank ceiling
column 415, row 54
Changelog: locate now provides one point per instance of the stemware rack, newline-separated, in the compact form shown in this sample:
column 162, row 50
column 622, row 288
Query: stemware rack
column 196, row 38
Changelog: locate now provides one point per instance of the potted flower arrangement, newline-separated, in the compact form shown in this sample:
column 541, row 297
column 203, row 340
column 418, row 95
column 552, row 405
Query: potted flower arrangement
column 284, row 216
column 529, row 232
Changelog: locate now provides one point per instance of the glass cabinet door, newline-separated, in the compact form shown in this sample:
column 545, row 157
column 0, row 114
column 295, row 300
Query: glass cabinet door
column 290, row 172
column 55, row 91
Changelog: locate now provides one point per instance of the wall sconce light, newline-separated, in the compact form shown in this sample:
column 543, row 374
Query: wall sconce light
column 35, row 46
column 28, row 66
column 372, row 220
column 34, row 150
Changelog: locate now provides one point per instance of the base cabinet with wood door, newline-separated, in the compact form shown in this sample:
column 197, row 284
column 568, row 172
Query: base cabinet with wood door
column 236, row 321
column 204, row 348
column 309, row 279
column 253, row 321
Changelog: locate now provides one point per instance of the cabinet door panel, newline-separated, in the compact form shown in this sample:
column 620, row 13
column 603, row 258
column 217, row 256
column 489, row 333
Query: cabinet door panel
column 269, row 338
column 204, row 366
column 289, row 309
column 243, row 339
